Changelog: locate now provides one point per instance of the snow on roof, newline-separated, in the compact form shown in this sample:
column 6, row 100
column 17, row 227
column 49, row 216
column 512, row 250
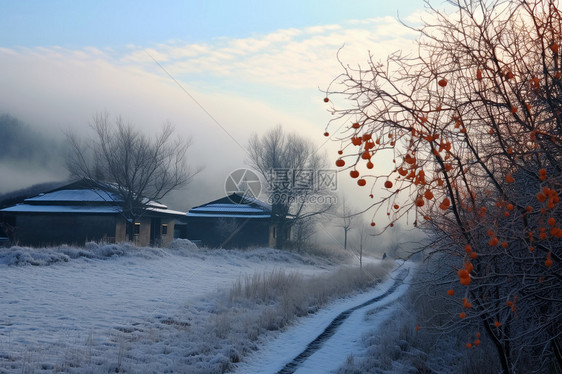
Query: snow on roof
column 97, row 209
column 262, row 204
column 78, row 195
column 216, row 215
column 27, row 208
column 230, row 210
column 166, row 211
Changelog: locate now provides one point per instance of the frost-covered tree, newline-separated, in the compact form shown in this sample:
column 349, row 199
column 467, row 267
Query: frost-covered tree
column 290, row 164
column 472, row 124
column 140, row 168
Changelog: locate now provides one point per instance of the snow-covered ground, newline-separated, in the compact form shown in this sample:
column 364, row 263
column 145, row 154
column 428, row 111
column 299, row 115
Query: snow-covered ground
column 118, row 308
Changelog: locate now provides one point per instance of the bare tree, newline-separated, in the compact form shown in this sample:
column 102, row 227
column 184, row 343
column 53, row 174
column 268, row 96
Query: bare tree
column 139, row 168
column 473, row 123
column 363, row 238
column 290, row 165
column 347, row 216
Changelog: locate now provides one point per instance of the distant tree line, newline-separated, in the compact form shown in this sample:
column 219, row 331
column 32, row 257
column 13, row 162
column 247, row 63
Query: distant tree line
column 20, row 142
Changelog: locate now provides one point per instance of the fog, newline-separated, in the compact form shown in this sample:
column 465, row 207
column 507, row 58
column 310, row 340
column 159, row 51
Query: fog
column 55, row 94
column 216, row 94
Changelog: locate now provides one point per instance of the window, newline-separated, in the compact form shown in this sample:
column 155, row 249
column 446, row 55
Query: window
column 136, row 229
column 164, row 229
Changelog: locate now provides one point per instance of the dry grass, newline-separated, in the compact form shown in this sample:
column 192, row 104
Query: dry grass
column 269, row 302
column 299, row 295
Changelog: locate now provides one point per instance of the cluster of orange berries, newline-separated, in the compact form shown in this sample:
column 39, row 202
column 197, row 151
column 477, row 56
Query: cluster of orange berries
column 464, row 273
column 548, row 194
column 493, row 239
column 476, row 341
column 511, row 304
column 469, row 251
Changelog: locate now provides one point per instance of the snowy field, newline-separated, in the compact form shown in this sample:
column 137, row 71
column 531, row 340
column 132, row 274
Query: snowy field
column 116, row 308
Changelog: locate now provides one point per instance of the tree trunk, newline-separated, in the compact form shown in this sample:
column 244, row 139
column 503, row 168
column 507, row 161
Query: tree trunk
column 131, row 230
column 557, row 353
column 503, row 351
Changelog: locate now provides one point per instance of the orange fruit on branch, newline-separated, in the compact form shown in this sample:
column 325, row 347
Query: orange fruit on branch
column 479, row 74
column 445, row 204
column 463, row 273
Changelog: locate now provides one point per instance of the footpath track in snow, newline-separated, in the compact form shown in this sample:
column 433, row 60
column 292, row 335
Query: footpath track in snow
column 318, row 343
column 322, row 342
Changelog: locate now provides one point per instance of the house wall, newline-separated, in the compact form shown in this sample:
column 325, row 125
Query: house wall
column 144, row 237
column 228, row 232
column 41, row 230
column 54, row 229
column 167, row 238
column 272, row 236
column 121, row 231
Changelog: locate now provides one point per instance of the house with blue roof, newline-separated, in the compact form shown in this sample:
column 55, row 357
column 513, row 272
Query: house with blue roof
column 234, row 221
column 85, row 211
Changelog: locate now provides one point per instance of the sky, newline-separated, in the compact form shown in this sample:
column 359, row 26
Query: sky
column 218, row 70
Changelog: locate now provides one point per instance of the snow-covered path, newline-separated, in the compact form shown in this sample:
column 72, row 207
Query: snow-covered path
column 277, row 356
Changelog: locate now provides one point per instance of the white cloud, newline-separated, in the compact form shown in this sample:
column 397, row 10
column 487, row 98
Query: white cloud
column 290, row 58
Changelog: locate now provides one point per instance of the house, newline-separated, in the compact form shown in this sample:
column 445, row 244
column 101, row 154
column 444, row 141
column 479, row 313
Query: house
column 234, row 221
column 85, row 211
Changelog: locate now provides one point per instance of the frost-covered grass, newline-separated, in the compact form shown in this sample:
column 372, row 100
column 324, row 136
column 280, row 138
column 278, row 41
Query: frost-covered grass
column 398, row 347
column 255, row 309
column 118, row 308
